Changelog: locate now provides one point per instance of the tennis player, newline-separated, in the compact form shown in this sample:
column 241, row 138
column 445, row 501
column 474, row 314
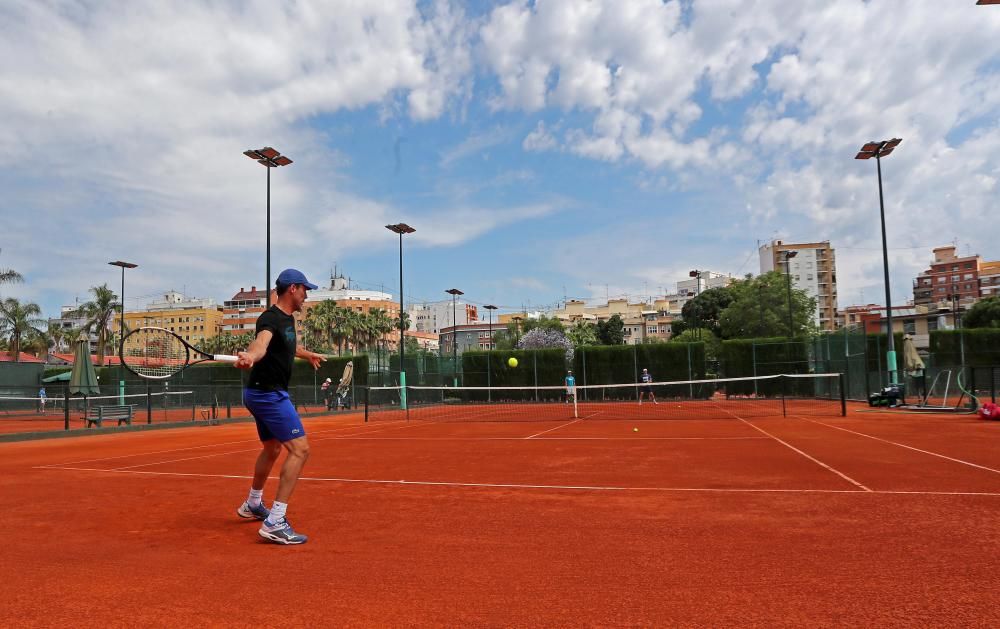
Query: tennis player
column 646, row 388
column 269, row 359
column 570, row 387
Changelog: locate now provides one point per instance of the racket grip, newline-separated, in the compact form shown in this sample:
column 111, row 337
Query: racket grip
column 224, row 358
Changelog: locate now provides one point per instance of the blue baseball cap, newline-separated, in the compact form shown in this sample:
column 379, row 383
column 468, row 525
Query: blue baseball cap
column 294, row 276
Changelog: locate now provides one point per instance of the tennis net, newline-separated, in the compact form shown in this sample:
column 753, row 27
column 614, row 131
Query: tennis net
column 733, row 398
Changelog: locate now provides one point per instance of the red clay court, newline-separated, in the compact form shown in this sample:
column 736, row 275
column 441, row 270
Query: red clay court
column 873, row 519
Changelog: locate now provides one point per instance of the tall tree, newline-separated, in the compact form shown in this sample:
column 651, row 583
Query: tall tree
column 760, row 308
column 99, row 313
column 9, row 276
column 984, row 314
column 612, row 331
column 704, row 311
column 543, row 322
column 582, row 333
column 17, row 322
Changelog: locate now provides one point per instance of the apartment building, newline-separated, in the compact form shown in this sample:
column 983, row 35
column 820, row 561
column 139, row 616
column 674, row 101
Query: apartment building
column 813, row 269
column 951, row 276
column 192, row 319
column 433, row 316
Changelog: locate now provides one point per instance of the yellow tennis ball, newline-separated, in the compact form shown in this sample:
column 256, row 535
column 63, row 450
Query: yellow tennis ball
column 512, row 361
column 635, row 430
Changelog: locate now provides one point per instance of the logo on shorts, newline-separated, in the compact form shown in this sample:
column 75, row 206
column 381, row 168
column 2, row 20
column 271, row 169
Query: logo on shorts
column 295, row 431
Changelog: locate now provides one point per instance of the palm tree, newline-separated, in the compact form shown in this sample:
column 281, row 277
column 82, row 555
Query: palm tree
column 9, row 276
column 99, row 313
column 18, row 321
column 57, row 334
column 38, row 342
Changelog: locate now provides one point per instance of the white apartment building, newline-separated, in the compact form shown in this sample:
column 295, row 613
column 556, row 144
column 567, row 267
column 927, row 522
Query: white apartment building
column 431, row 316
column 813, row 270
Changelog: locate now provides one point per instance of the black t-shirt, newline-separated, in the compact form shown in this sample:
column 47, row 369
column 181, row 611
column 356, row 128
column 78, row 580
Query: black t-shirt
column 273, row 372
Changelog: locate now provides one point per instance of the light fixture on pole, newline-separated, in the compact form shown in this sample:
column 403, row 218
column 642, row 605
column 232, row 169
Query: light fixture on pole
column 489, row 354
column 454, row 292
column 878, row 150
column 121, row 328
column 696, row 274
column 269, row 158
column 401, row 228
column 788, row 255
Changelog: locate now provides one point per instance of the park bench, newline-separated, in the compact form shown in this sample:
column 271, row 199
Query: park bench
column 97, row 414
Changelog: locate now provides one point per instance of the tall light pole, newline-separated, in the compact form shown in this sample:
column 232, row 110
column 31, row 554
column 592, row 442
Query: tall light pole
column 121, row 327
column 489, row 354
column 788, row 255
column 697, row 291
column 878, row 150
column 269, row 158
column 401, row 228
column 454, row 292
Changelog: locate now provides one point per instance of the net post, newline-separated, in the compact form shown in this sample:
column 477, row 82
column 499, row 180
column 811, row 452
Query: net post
column 367, row 393
column 534, row 362
column 690, row 377
column 993, row 384
column 583, row 351
column 753, row 353
column 66, row 407
column 149, row 404
column 576, row 410
column 843, row 395
column 402, row 388
column 783, row 379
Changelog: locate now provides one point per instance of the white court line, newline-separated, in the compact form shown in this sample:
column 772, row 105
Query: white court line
column 553, row 487
column 903, row 445
column 215, row 454
column 790, row 446
column 556, row 428
column 360, row 438
column 213, row 445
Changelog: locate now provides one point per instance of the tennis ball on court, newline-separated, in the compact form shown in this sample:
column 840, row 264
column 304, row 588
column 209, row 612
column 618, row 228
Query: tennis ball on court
column 635, row 430
column 512, row 361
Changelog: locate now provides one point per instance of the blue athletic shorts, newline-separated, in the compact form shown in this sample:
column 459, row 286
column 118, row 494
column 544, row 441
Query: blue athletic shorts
column 274, row 414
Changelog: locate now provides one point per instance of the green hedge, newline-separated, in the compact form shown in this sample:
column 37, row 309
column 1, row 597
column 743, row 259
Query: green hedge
column 622, row 364
column 981, row 347
column 225, row 375
column 548, row 364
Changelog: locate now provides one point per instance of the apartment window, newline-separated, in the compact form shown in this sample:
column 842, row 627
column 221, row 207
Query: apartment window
column 970, row 265
column 931, row 325
column 954, row 268
column 955, row 278
column 942, row 279
column 941, row 289
column 809, row 276
column 909, row 327
column 968, row 276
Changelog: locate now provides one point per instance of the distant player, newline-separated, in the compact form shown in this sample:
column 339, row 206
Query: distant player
column 570, row 387
column 42, row 399
column 327, row 393
column 646, row 388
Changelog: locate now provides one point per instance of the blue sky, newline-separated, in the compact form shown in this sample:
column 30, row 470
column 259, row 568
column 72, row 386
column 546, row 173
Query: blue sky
column 542, row 149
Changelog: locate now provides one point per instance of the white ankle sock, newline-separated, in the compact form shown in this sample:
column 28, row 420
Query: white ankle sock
column 277, row 513
column 256, row 497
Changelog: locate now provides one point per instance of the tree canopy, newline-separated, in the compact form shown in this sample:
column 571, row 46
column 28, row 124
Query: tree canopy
column 984, row 314
column 760, row 308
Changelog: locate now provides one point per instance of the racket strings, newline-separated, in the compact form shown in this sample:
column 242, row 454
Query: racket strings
column 154, row 353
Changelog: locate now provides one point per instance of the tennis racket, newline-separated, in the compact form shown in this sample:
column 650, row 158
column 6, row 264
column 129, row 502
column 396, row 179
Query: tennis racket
column 157, row 354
